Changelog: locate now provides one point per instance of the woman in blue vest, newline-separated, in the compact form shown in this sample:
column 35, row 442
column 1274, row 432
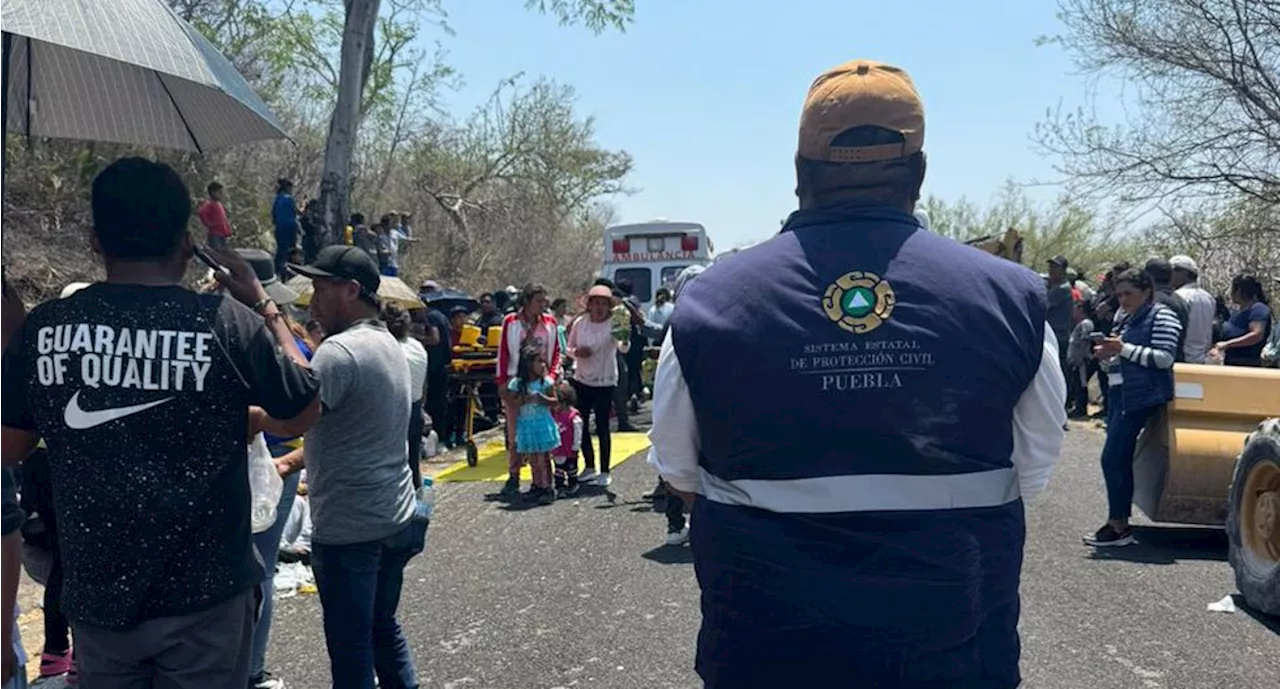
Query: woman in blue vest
column 1139, row 358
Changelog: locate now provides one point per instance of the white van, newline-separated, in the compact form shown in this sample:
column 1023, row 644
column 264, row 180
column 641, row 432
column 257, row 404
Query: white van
column 650, row 255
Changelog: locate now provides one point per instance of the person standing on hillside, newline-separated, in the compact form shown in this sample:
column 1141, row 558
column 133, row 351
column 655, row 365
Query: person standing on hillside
column 284, row 215
column 860, row 472
column 213, row 215
column 144, row 392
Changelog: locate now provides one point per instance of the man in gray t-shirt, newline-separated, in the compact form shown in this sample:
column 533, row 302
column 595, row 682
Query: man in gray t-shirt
column 358, row 474
column 366, row 528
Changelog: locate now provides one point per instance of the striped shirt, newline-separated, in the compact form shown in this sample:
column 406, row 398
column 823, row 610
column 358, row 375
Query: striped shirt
column 1162, row 352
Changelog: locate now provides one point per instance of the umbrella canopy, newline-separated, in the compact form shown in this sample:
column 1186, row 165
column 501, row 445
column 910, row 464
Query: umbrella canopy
column 125, row 71
column 447, row 300
column 390, row 290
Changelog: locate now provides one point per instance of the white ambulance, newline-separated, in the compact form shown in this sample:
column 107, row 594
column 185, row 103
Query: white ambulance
column 650, row 255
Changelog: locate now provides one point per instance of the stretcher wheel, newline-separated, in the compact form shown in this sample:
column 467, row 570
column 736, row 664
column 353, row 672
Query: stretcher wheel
column 473, row 455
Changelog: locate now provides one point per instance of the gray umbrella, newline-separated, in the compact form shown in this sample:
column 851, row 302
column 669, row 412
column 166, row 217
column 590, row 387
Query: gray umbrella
column 127, row 71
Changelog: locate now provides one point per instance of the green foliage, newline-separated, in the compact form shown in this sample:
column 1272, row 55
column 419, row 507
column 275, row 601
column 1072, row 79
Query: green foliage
column 306, row 40
column 527, row 164
column 596, row 15
column 515, row 185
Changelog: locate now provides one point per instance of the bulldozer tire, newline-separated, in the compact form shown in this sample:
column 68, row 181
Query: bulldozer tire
column 1253, row 519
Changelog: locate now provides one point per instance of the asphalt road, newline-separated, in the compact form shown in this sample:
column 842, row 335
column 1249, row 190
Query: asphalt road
column 582, row 594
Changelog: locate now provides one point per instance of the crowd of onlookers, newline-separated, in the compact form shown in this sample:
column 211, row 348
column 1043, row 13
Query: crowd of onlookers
column 1129, row 332
column 297, row 229
column 441, row 328
column 130, row 402
column 162, row 580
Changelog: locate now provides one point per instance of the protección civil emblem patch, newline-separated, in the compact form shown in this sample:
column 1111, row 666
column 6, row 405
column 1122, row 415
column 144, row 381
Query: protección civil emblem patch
column 859, row 302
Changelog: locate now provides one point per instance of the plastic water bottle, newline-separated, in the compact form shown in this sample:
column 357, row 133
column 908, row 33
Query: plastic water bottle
column 427, row 497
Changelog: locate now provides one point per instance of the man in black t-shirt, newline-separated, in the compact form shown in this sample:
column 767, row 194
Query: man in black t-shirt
column 145, row 393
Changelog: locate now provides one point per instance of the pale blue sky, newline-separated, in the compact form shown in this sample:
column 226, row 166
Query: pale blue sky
column 706, row 94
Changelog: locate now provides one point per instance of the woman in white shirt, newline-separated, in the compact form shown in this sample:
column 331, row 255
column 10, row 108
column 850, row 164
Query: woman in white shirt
column 397, row 320
column 595, row 375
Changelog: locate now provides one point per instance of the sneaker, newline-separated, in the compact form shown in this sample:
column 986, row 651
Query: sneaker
column 546, row 496
column 588, row 475
column 678, row 537
column 602, row 479
column 1108, row 537
column 55, row 664
column 266, row 681
column 511, row 487
column 570, row 489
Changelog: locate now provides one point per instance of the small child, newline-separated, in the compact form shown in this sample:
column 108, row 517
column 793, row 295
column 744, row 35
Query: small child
column 213, row 215
column 536, row 431
column 569, row 423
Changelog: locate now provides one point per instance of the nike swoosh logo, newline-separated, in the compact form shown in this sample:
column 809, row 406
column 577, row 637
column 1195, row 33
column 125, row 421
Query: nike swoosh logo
column 79, row 419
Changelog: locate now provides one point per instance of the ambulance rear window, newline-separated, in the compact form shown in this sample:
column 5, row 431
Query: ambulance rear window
column 641, row 281
column 669, row 275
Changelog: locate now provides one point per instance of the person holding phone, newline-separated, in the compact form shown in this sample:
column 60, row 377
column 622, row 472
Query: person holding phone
column 144, row 402
column 1138, row 358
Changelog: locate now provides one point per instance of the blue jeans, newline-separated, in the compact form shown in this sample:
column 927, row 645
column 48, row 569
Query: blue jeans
column 268, row 545
column 286, row 238
column 1117, row 452
column 359, row 587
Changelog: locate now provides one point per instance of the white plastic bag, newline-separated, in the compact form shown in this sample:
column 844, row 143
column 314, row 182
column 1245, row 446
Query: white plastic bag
column 265, row 485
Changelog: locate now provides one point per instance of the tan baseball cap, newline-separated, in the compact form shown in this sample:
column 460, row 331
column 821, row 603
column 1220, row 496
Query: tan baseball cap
column 861, row 93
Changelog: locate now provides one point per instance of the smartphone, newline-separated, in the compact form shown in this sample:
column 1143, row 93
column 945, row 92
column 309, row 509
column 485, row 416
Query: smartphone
column 208, row 259
column 1097, row 337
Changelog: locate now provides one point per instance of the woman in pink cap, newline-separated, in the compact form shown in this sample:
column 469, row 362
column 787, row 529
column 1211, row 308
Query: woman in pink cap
column 592, row 344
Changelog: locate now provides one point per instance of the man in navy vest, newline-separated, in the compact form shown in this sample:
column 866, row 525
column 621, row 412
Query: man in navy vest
column 862, row 427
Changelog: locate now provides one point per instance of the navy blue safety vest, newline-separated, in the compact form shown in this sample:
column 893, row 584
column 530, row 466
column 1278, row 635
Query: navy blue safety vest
column 1143, row 387
column 854, row 381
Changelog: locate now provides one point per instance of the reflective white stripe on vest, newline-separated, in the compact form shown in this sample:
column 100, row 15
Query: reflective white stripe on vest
column 866, row 493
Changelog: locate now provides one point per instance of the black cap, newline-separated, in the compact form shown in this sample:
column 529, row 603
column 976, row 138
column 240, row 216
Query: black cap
column 1160, row 271
column 1059, row 260
column 459, row 309
column 344, row 263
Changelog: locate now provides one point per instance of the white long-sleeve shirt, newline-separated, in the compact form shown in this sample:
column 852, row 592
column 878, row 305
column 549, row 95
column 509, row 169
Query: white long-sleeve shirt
column 1200, row 308
column 1038, row 421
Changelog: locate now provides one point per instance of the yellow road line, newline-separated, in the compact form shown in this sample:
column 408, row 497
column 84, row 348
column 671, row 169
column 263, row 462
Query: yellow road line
column 493, row 459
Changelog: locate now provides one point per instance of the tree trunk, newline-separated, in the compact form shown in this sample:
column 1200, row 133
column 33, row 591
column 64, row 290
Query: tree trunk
column 335, row 182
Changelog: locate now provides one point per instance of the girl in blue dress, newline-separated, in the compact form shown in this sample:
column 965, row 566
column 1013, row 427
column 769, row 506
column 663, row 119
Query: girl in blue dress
column 536, row 431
